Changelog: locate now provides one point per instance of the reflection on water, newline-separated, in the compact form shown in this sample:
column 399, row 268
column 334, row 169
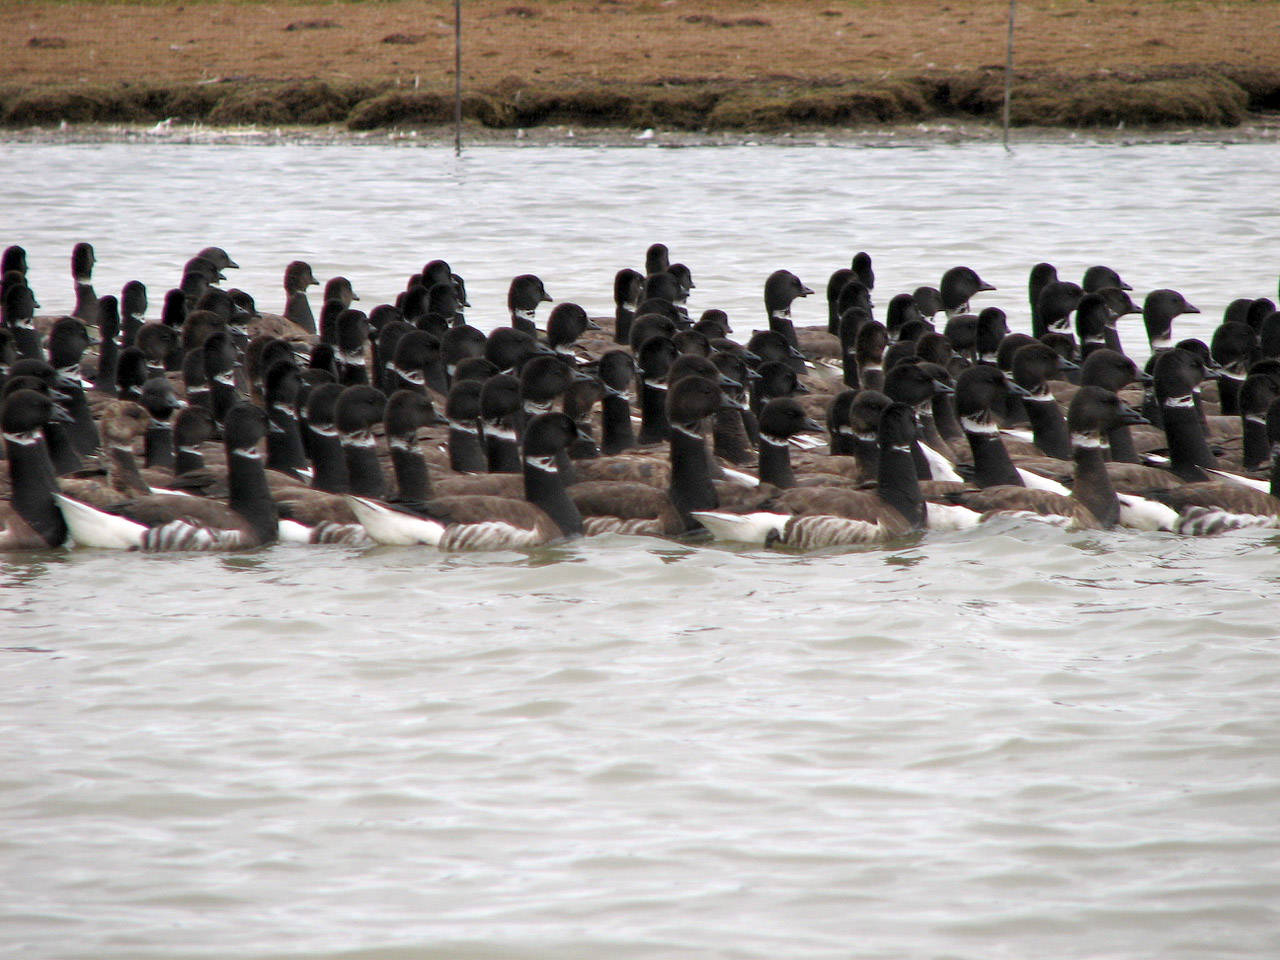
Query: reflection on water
column 1007, row 743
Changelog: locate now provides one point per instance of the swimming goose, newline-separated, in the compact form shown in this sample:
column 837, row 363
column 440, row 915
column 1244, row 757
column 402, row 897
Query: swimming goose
column 628, row 285
column 1097, row 277
column 169, row 522
column 820, row 517
column 523, row 296
column 68, row 340
column 18, row 314
column 630, row 507
column 781, row 289
column 30, row 520
column 1093, row 502
column 463, row 412
column 82, row 261
column 958, row 286
column 485, row 522
column 297, row 310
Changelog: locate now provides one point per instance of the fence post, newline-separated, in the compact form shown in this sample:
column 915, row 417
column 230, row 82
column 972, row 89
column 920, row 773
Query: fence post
column 1008, row 73
column 457, row 77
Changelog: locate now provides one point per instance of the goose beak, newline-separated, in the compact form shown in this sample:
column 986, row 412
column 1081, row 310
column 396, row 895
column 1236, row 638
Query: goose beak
column 813, row 426
column 1132, row 417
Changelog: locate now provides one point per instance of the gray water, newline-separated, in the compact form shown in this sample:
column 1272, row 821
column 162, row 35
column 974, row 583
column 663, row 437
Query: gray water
column 1007, row 743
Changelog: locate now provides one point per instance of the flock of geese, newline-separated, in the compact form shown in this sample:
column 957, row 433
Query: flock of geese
column 407, row 425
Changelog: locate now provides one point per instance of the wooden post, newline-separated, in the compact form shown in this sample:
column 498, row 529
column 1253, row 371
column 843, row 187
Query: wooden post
column 1008, row 73
column 457, row 77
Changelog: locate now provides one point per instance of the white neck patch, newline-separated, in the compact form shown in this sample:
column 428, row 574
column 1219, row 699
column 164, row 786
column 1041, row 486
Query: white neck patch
column 24, row 439
column 546, row 464
column 979, row 426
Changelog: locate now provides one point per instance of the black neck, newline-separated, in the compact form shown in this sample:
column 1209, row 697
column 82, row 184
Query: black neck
column 775, row 462
column 653, row 414
column 991, row 463
column 1122, row 446
column 622, row 324
column 413, row 482
column 729, row 437
column 872, row 377
column 352, row 374
column 899, row 483
column 223, row 397
column 616, row 432
column 841, row 444
column 285, row 450
column 849, row 366
column 61, row 450
column 27, row 342
column 187, row 460
column 129, row 327
column 1049, row 428
column 1257, row 450
column 158, row 446
column 466, row 452
column 86, row 307
column 1229, row 396
column 105, row 379
column 1188, row 449
column 944, row 418
column 32, row 482
column 690, row 487
column 328, row 464
column 363, row 470
column 503, row 454
column 250, row 496
column 545, row 489
column 1092, row 485
column 83, row 432
column 466, row 455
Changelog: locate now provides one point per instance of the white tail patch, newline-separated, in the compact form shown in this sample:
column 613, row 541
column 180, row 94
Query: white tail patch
column 805, row 441
column 946, row 516
column 1034, row 481
column 737, row 476
column 940, row 466
column 91, row 527
column 394, row 528
column 1017, row 433
column 756, row 528
column 1143, row 514
column 1263, row 486
column 291, row 531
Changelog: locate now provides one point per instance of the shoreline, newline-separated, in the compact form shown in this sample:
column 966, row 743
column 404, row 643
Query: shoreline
column 1262, row 129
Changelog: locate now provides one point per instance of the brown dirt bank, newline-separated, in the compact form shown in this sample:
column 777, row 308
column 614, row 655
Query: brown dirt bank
column 671, row 64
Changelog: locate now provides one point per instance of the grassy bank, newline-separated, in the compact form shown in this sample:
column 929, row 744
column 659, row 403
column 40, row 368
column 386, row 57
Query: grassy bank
column 1210, row 99
column 714, row 65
